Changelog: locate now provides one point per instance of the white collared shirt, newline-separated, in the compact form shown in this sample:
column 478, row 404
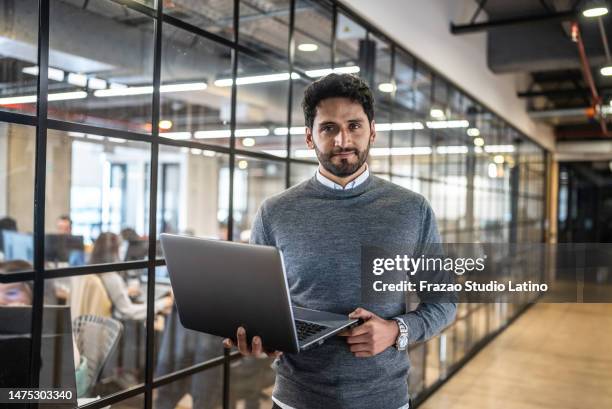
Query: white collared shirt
column 350, row 185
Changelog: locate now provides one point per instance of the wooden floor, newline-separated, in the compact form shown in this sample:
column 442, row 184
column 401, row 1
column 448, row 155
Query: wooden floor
column 554, row 356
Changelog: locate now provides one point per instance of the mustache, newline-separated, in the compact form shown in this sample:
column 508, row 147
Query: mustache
column 341, row 150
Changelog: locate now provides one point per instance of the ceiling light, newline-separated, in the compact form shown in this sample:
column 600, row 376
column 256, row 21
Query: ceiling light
column 492, row 170
column 252, row 132
column 473, row 132
column 386, row 87
column 243, row 164
column 97, row 83
column 165, row 124
column 451, row 149
column 499, row 148
column 119, row 91
column 191, row 86
column 256, row 79
column 295, row 130
column 448, row 124
column 196, row 151
column 175, row 135
column 351, row 69
column 76, row 134
column 116, row 140
column 53, row 73
column 29, row 99
column 498, row 159
column 478, row 141
column 248, row 142
column 79, row 80
column 307, row 47
column 95, row 137
column 398, row 126
column 210, row 154
column 606, row 71
column 436, row 113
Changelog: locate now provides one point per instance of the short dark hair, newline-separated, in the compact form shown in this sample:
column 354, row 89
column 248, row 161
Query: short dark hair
column 337, row 86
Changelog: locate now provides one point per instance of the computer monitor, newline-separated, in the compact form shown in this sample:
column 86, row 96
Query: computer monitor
column 18, row 246
column 137, row 250
column 57, row 359
column 62, row 247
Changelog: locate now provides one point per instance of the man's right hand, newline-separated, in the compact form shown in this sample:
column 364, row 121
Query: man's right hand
column 256, row 348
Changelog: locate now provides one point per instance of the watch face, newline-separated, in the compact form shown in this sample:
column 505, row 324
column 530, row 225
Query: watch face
column 403, row 342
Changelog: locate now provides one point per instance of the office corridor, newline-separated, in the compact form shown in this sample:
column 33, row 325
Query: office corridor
column 554, row 356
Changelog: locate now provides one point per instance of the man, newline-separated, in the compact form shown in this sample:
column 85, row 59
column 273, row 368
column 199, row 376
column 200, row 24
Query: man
column 320, row 226
column 63, row 224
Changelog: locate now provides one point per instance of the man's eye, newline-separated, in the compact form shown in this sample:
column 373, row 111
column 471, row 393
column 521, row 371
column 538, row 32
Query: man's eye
column 355, row 126
column 327, row 128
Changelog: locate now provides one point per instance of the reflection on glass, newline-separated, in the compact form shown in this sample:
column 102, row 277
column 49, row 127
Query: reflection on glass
column 312, row 36
column 19, row 73
column 252, row 382
column 264, row 27
column 216, row 17
column 261, row 110
column 301, row 172
column 96, row 185
column 254, row 181
column 353, row 49
column 17, row 151
column 105, row 54
column 203, row 390
column 196, row 102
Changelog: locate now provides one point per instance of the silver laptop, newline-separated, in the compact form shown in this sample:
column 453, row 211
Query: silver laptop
column 220, row 285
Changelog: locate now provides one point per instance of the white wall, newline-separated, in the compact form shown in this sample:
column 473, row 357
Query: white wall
column 423, row 28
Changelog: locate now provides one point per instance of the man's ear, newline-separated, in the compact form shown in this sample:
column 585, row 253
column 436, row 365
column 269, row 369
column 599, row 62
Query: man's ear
column 372, row 131
column 309, row 140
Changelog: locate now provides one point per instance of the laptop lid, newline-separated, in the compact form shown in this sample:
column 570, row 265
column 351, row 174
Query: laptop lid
column 220, row 285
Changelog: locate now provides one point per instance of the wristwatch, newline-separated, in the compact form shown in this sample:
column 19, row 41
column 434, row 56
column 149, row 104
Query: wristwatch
column 401, row 343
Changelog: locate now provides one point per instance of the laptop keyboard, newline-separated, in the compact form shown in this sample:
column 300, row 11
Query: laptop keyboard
column 307, row 329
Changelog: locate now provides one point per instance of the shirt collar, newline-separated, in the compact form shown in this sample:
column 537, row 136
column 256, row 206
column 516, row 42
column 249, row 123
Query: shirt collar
column 351, row 185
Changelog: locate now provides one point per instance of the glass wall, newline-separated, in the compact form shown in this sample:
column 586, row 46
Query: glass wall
column 185, row 123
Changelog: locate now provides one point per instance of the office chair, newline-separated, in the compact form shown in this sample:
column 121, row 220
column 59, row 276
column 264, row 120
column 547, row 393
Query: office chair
column 96, row 337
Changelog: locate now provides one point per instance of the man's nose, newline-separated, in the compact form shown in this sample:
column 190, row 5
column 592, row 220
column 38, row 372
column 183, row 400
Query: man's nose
column 343, row 138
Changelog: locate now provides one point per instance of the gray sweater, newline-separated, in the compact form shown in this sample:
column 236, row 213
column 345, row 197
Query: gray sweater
column 320, row 232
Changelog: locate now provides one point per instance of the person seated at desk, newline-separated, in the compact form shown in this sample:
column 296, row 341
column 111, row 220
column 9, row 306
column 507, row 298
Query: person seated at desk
column 106, row 250
column 15, row 293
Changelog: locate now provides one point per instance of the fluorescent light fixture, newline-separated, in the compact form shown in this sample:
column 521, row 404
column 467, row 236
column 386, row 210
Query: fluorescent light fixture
column 252, row 132
column 243, row 164
column 473, row 132
column 451, row 149
column 248, row 142
column 478, row 141
column 499, row 148
column 184, row 150
column 401, row 151
column 76, row 134
column 193, row 86
column 351, row 69
column 148, row 89
column 176, row 135
column 295, row 130
column 492, row 170
column 196, row 151
column 606, row 71
column 116, row 140
column 165, row 124
column 498, row 159
column 95, row 137
column 116, row 85
column 30, row 99
column 53, row 73
column 62, row 96
column 256, row 79
column 79, row 80
column 478, row 149
column 210, row 154
column 308, row 47
column 436, row 113
column 448, row 124
column 96, row 83
column 398, row 126
column 595, row 10
column 221, row 133
column 386, row 87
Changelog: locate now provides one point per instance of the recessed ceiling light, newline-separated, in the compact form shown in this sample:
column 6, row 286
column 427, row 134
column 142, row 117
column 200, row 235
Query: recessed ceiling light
column 308, row 47
column 606, row 71
column 165, row 124
column 498, row 159
column 248, row 142
column 595, row 9
column 478, row 141
column 473, row 132
column 386, row 87
column 243, row 164
column 436, row 113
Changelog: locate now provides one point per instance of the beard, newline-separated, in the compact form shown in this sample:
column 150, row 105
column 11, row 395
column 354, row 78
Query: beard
column 344, row 168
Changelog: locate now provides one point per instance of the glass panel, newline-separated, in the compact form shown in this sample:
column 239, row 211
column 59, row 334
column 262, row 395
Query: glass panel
column 254, row 180
column 200, row 105
column 96, row 207
column 301, row 172
column 261, row 107
column 252, row 381
column 106, row 53
column 312, row 36
column 18, row 64
column 214, row 16
column 203, row 390
column 106, row 313
column 264, row 27
column 352, row 48
column 17, row 151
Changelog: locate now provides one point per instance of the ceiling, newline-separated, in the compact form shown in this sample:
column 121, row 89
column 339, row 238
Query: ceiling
column 534, row 37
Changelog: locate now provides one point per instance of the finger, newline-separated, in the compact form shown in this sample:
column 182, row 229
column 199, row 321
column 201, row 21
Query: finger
column 227, row 343
column 242, row 343
column 274, row 354
column 361, row 348
column 361, row 313
column 359, row 339
column 360, row 330
column 256, row 345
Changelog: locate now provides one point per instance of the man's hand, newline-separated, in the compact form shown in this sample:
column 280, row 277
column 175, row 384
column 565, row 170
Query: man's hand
column 256, row 348
column 373, row 336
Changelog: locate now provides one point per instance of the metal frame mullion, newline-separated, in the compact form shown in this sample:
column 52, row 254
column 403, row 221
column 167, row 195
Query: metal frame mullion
column 39, row 193
column 17, row 118
column 392, row 113
column 291, row 57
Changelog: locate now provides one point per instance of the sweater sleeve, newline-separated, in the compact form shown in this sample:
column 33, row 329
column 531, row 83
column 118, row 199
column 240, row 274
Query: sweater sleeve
column 428, row 319
column 258, row 229
column 123, row 306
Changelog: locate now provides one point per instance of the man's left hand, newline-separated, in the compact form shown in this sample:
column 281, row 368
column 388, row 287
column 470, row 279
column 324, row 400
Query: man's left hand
column 373, row 336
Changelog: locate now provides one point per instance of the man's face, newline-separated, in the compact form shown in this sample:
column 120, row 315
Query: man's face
column 63, row 226
column 341, row 135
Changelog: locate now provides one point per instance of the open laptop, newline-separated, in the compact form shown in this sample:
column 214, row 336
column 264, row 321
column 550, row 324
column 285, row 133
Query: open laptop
column 220, row 285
